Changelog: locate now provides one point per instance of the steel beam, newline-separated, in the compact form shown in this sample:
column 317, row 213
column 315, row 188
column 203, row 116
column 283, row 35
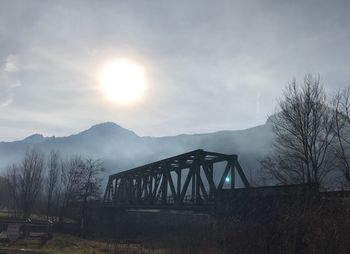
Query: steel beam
column 153, row 184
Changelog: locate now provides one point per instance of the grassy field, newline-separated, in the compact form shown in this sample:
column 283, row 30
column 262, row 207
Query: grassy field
column 3, row 214
column 67, row 244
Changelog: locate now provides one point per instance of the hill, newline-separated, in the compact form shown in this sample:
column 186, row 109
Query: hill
column 121, row 149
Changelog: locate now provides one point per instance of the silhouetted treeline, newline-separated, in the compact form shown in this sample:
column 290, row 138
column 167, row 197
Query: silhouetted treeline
column 51, row 186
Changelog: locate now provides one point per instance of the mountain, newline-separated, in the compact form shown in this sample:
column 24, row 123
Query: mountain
column 121, row 149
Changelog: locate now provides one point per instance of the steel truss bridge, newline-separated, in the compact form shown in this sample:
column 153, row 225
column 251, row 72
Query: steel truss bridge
column 184, row 181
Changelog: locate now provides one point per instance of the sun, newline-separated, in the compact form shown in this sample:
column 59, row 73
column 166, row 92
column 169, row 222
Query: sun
column 122, row 81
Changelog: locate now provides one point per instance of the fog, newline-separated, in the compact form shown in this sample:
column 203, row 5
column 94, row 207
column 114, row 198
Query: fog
column 121, row 149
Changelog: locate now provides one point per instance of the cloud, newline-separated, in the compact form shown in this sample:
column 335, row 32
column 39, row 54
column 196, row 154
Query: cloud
column 210, row 65
column 8, row 80
column 11, row 63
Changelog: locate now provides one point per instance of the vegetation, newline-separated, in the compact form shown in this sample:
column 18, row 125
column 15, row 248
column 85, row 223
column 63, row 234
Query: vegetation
column 68, row 244
column 312, row 136
column 341, row 105
column 53, row 187
column 25, row 181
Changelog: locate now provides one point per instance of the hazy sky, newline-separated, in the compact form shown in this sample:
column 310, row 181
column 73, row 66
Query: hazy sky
column 210, row 65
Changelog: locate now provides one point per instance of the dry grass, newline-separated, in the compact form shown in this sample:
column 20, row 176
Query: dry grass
column 67, row 244
column 3, row 214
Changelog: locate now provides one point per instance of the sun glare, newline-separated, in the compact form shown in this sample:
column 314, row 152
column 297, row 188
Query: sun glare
column 122, row 81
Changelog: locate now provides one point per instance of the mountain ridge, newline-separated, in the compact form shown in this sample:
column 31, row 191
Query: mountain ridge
column 121, row 149
column 104, row 124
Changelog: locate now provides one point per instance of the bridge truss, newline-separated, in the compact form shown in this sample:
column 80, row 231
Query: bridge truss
column 179, row 181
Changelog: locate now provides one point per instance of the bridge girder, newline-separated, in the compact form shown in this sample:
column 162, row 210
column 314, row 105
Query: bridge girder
column 165, row 183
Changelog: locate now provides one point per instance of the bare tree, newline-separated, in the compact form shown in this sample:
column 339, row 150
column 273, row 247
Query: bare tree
column 3, row 190
column 71, row 177
column 4, row 193
column 304, row 133
column 90, row 186
column 30, row 180
column 12, row 191
column 341, row 104
column 80, row 184
column 25, row 181
column 52, row 180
